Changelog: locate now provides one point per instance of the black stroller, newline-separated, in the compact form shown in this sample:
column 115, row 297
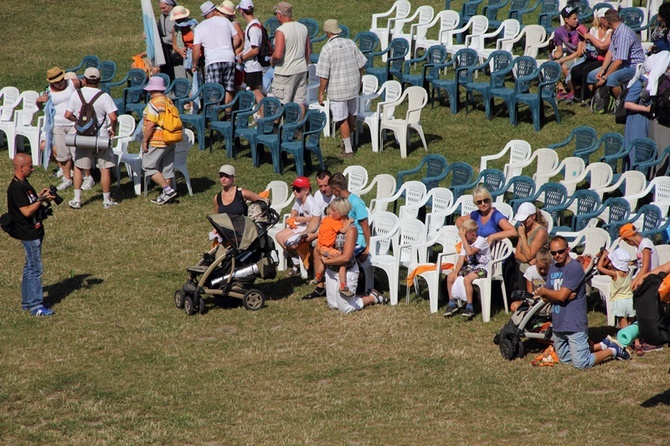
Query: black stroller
column 245, row 252
column 532, row 320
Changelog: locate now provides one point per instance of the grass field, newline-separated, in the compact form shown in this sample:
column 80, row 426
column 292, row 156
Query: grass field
column 118, row 364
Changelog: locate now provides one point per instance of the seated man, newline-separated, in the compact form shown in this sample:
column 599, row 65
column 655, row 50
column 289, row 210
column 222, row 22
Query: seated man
column 624, row 54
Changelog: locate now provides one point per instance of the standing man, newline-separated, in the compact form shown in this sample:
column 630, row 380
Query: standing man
column 219, row 37
column 105, row 114
column 624, row 54
column 340, row 70
column 25, row 209
column 165, row 30
column 253, row 71
column 158, row 158
column 566, row 291
column 290, row 57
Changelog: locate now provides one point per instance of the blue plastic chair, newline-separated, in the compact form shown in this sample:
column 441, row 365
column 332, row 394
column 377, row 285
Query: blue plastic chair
column 272, row 111
column 461, row 175
column 134, row 80
column 395, row 56
column 641, row 147
column 650, row 168
column 178, row 89
column 491, row 12
column 368, row 43
column 613, row 142
column 436, row 170
column 548, row 76
column 617, row 211
column 492, row 179
column 520, row 187
column 312, row 27
column 107, row 70
column 632, row 17
column 549, row 13
column 86, row 62
column 272, row 107
column 243, row 102
column 500, row 63
column 522, row 66
column 210, row 95
column 434, row 56
column 291, row 115
column 308, row 144
column 271, row 26
column 555, row 195
column 462, row 62
column 469, row 9
column 515, row 9
column 585, row 138
column 649, row 218
column 588, row 206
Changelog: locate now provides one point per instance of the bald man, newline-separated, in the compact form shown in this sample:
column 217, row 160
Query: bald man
column 25, row 209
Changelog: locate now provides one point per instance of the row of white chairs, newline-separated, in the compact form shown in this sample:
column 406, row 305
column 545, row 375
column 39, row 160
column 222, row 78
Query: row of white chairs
column 17, row 114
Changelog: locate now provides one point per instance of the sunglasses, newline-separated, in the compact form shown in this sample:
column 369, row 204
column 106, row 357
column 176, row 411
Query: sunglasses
column 480, row 202
column 559, row 252
column 225, row 175
column 297, row 189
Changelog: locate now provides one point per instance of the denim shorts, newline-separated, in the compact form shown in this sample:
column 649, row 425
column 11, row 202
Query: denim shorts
column 574, row 348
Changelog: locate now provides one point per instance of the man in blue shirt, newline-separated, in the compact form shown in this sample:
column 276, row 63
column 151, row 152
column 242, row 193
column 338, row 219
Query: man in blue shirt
column 566, row 291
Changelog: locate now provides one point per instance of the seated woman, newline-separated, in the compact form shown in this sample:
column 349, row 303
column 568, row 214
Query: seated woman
column 532, row 236
column 345, row 243
column 493, row 225
column 597, row 40
column 232, row 200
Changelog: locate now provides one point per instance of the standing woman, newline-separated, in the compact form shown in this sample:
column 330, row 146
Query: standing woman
column 492, row 223
column 182, row 38
column 532, row 236
column 232, row 200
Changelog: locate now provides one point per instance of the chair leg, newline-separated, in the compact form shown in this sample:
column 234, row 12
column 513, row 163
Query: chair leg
column 374, row 138
column 401, row 136
column 419, row 129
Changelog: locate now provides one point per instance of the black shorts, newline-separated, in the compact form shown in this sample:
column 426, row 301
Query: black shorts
column 254, row 79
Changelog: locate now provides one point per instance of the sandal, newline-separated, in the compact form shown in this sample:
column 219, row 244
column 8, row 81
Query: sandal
column 639, row 351
column 295, row 271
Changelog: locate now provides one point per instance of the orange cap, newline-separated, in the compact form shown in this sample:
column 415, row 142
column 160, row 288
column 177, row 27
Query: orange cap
column 627, row 230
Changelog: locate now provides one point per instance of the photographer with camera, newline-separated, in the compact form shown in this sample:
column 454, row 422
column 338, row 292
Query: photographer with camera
column 27, row 210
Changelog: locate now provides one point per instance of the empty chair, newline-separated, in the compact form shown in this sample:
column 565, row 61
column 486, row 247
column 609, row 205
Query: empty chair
column 416, row 98
column 133, row 162
column 492, row 179
column 291, row 115
column 422, row 15
column 571, row 167
column 438, row 198
column 500, row 64
column 534, row 38
column 474, row 29
column 32, row 134
column 308, row 144
column 87, row 61
column 384, row 186
column 519, row 151
column 461, row 174
column 632, row 183
column 521, row 69
column 181, row 158
column 491, row 11
column 599, row 175
column 462, row 62
column 444, row 21
column 383, row 24
column 367, row 43
column 436, row 170
column 519, row 186
column 584, row 137
column 392, row 90
column 211, row 95
column 507, row 30
column 546, row 160
column 18, row 118
column 394, row 56
column 586, row 206
column 659, row 187
column 612, row 143
column 244, row 101
column 272, row 111
column 313, row 100
column 133, row 98
column 357, row 178
column 413, row 191
column 547, row 77
column 552, row 195
column 434, row 57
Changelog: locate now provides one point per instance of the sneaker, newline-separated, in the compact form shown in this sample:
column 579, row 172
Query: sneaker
column 315, row 281
column 170, row 195
column 469, row 313
column 293, row 272
column 74, row 204
column 295, row 240
column 64, row 184
column 59, row 173
column 345, row 154
column 650, row 347
column 88, row 183
column 561, row 95
column 318, row 292
column 164, row 198
column 379, row 297
column 621, row 353
column 347, row 293
column 41, row 311
column 109, row 204
column 451, row 310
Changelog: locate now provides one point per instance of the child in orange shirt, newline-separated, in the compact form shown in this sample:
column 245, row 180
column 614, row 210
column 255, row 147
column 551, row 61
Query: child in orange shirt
column 336, row 222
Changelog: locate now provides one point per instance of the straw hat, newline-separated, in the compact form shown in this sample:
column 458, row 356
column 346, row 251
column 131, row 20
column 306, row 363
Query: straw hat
column 179, row 12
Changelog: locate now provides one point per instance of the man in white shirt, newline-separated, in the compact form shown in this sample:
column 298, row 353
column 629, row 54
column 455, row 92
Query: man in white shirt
column 105, row 111
column 219, row 37
column 253, row 71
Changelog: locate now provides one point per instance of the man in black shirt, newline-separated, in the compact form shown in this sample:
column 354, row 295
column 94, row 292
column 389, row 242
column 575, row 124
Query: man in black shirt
column 25, row 207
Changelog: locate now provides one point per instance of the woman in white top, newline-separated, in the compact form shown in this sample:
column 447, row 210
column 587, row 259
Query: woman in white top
column 598, row 40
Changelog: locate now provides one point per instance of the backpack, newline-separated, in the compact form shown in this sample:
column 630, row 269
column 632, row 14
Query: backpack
column 265, row 50
column 171, row 124
column 653, row 317
column 620, row 112
column 87, row 122
column 602, row 102
column 660, row 106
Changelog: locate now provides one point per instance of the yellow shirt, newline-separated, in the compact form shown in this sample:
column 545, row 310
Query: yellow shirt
column 621, row 288
column 151, row 113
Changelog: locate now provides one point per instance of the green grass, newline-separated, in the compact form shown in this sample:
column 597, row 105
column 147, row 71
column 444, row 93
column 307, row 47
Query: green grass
column 118, row 364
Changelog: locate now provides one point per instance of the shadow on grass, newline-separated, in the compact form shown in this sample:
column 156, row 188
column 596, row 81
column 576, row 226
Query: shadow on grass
column 58, row 291
column 657, row 400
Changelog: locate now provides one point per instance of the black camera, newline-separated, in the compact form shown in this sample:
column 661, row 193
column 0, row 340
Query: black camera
column 54, row 192
column 45, row 210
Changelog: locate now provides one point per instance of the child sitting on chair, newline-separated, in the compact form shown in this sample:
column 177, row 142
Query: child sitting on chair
column 336, row 222
column 471, row 265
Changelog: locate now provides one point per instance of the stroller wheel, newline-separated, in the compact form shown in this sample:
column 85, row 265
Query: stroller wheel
column 189, row 308
column 507, row 349
column 253, row 300
column 201, row 305
column 521, row 349
column 179, row 299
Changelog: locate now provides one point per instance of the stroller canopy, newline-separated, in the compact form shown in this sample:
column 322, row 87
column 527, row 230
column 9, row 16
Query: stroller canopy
column 238, row 230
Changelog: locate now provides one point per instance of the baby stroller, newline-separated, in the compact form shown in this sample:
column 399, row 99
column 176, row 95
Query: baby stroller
column 245, row 252
column 532, row 320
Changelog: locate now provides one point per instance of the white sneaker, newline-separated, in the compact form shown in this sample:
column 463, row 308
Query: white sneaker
column 59, row 174
column 88, row 183
column 109, row 204
column 64, row 184
column 74, row 204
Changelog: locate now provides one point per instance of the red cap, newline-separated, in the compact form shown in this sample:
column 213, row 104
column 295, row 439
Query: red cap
column 302, row 182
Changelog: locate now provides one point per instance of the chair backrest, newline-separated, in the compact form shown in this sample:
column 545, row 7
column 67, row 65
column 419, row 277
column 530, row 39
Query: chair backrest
column 357, row 178
column 519, row 151
column 555, row 194
column 661, row 188
column 461, row 173
column 615, row 209
column 271, row 26
column 398, row 49
column 448, row 20
column 587, row 202
column 465, row 58
column 535, row 36
column 414, row 191
column 279, row 193
column 549, row 219
column 411, row 232
column 499, row 61
column 292, row 113
column 182, row 148
column 441, row 199
column 550, row 74
column 392, row 92
column 632, row 17
column 383, row 224
column 651, row 216
column 592, row 239
column 370, row 84
column 212, row 95
column 467, row 204
column 600, row 175
column 316, row 119
column 271, row 106
column 423, row 15
column 385, row 185
column 644, row 150
column 367, row 42
column 417, row 98
column 521, row 186
column 500, row 250
column 312, row 27
column 107, row 70
column 493, row 179
column 179, row 88
column 9, row 95
column 505, row 209
column 547, row 161
column 479, row 25
column 126, row 128
column 435, row 55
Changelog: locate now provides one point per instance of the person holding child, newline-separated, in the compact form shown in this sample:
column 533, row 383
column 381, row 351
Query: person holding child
column 471, row 265
column 336, row 222
column 493, row 225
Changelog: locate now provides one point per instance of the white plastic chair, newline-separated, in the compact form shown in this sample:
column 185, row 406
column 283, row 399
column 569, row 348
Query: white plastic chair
column 440, row 199
column 446, row 20
column 313, row 99
column 534, row 37
column 505, row 209
column 475, row 28
column 417, row 98
column 519, row 151
column 600, row 175
column 463, row 205
column 369, row 87
column 10, row 100
column 410, row 232
column 413, row 191
column 357, row 178
column 399, row 10
column 126, row 128
column 280, row 197
column 507, row 30
column 661, row 194
column 19, row 118
column 392, row 90
column 32, row 134
column 447, row 237
column 632, row 181
column 570, row 167
column 181, row 157
column 499, row 252
column 547, row 160
column 385, row 187
column 423, row 15
column 663, row 254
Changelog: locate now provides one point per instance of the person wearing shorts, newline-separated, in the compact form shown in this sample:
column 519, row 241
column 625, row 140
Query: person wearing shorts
column 158, row 157
column 340, row 69
column 253, row 71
